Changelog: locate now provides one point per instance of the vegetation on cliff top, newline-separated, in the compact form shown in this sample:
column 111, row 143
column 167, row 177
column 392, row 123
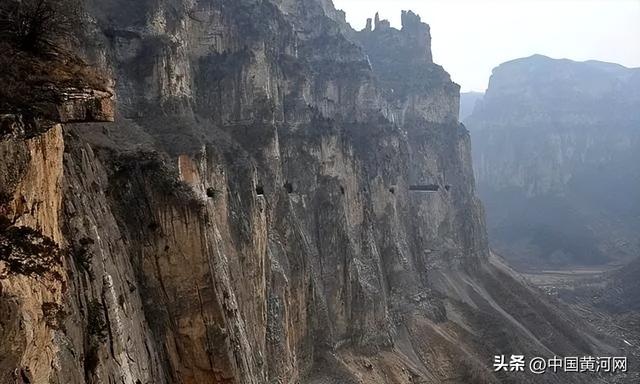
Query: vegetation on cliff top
column 37, row 63
column 38, row 26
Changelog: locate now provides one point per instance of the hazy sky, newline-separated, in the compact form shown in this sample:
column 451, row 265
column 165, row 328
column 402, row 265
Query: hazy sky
column 470, row 38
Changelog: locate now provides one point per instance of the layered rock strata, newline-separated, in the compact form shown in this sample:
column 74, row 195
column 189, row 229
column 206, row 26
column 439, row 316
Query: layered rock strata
column 277, row 201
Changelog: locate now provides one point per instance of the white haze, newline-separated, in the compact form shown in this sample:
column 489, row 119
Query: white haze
column 471, row 37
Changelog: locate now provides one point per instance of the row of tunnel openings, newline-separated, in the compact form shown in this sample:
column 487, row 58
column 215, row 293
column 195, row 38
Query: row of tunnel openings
column 413, row 188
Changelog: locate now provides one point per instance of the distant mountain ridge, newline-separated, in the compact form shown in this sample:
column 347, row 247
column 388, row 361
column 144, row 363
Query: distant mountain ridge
column 555, row 145
column 560, row 91
column 468, row 102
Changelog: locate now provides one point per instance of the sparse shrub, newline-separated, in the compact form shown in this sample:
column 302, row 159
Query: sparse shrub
column 29, row 252
column 96, row 324
column 83, row 255
column 54, row 315
column 38, row 25
column 97, row 334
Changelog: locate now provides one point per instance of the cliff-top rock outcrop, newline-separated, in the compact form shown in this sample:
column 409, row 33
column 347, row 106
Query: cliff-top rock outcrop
column 274, row 203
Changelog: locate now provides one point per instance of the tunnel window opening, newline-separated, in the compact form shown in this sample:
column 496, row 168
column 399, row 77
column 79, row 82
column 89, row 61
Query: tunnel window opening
column 212, row 192
column 425, row 188
column 260, row 190
column 342, row 189
column 288, row 187
column 392, row 190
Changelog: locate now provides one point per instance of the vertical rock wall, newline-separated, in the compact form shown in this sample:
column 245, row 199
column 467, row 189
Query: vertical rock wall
column 276, row 202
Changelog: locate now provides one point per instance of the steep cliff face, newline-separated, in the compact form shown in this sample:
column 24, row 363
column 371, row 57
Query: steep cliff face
column 276, row 202
column 33, row 284
column 555, row 152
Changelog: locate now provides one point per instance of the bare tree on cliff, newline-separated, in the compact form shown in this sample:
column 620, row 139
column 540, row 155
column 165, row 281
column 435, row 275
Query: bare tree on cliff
column 38, row 25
